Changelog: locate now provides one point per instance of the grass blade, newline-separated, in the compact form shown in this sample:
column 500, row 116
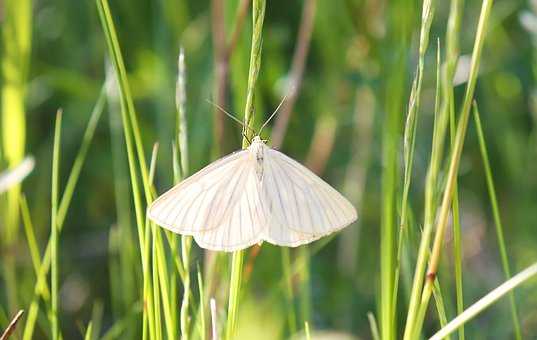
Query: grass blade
column 497, row 219
column 89, row 332
column 11, row 327
column 54, row 271
column 453, row 165
column 258, row 15
column 375, row 335
column 486, row 301
column 41, row 284
column 15, row 46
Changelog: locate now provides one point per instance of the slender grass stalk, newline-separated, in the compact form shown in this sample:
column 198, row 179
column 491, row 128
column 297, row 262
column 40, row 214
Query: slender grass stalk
column 375, row 335
column 453, row 166
column 133, row 144
column 74, row 174
column 409, row 136
column 81, row 156
column 394, row 89
column 434, row 165
column 182, row 147
column 497, row 220
column 234, row 291
column 202, row 329
column 54, row 272
column 181, row 125
column 15, row 47
column 11, row 326
column 457, row 243
column 304, row 256
column 307, row 330
column 486, row 301
column 437, row 293
column 155, row 285
column 32, row 242
column 452, row 53
column 439, row 303
column 97, row 318
column 160, row 272
column 186, row 243
column 214, row 327
column 258, row 15
column 89, row 332
column 126, row 246
column 286, row 265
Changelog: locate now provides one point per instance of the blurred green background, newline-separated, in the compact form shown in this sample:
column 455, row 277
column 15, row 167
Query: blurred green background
column 359, row 66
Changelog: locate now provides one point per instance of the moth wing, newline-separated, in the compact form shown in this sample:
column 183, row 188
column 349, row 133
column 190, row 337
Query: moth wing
column 243, row 226
column 207, row 199
column 300, row 205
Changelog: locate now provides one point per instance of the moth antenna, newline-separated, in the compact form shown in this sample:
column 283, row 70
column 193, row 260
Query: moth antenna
column 277, row 108
column 230, row 115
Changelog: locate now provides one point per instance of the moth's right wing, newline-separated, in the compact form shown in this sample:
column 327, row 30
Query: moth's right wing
column 300, row 205
column 208, row 200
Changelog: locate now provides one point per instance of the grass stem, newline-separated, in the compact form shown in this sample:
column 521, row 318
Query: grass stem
column 258, row 15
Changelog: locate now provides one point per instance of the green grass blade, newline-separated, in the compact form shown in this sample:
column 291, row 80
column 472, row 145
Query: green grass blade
column 486, row 301
column 15, row 47
column 440, row 307
column 132, row 136
column 375, row 335
column 497, row 220
column 401, row 18
column 409, row 137
column 307, row 330
column 89, row 332
column 54, row 271
column 127, row 102
column 74, row 174
column 258, row 16
column 441, row 221
column 457, row 240
column 434, row 164
column 286, row 266
column 201, row 318
column 32, row 242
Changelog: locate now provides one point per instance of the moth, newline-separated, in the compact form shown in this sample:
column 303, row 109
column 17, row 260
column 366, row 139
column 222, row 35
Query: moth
column 250, row 196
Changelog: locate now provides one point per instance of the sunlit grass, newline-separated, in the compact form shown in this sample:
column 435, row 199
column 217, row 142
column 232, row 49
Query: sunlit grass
column 161, row 287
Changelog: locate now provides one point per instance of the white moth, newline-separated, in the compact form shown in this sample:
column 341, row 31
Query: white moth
column 253, row 195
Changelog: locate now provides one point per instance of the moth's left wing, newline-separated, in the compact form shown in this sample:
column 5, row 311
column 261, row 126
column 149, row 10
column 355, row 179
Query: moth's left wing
column 243, row 226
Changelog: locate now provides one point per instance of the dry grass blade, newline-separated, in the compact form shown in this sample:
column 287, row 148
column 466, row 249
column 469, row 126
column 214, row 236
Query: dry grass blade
column 297, row 71
column 11, row 327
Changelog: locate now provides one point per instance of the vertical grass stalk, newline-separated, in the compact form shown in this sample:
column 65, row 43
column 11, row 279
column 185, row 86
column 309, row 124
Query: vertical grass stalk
column 41, row 286
column 497, row 220
column 54, row 272
column 258, row 15
column 434, row 165
column 181, row 139
column 453, row 167
column 398, row 36
column 15, row 47
column 409, row 136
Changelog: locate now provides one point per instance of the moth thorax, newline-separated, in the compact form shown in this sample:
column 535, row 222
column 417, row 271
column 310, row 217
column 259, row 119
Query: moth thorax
column 257, row 150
